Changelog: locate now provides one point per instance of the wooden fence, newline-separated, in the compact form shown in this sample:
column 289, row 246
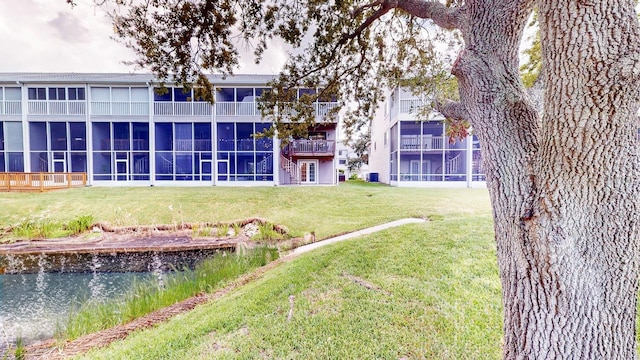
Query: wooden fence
column 41, row 181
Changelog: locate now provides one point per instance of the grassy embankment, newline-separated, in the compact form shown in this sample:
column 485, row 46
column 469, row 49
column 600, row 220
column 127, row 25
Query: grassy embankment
column 428, row 290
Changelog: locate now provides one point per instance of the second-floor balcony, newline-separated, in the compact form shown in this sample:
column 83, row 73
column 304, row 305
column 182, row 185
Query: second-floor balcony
column 11, row 107
column 186, row 108
column 136, row 108
column 422, row 142
column 313, row 148
column 56, row 107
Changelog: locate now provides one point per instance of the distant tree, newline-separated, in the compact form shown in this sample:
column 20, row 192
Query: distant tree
column 564, row 189
column 360, row 148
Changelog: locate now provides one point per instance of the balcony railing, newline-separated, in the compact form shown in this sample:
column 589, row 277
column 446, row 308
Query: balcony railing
column 56, row 107
column 139, row 108
column 196, row 108
column 40, row 181
column 11, row 107
column 411, row 106
column 424, row 142
column 232, row 108
column 311, row 148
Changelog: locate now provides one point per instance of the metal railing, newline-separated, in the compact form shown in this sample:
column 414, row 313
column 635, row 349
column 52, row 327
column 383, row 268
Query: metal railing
column 311, row 148
column 41, row 181
column 290, row 168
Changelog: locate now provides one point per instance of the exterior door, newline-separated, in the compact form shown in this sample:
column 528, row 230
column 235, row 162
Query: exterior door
column 122, row 166
column 223, row 170
column 205, row 169
column 308, row 171
column 59, row 162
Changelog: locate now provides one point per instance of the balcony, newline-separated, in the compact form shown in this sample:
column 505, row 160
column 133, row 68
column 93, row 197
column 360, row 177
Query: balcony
column 312, row 148
column 57, row 107
column 136, row 108
column 11, row 107
column 187, row 108
column 232, row 108
column 424, row 142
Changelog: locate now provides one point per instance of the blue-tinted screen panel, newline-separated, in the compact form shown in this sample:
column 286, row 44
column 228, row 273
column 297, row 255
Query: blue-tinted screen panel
column 78, row 136
column 226, row 138
column 180, row 95
column 16, row 161
column 101, row 136
column 157, row 96
column 225, row 94
column 244, row 94
column 164, row 136
column 58, row 135
column 140, row 136
column 121, row 136
column 78, row 162
column 38, row 136
column 37, row 93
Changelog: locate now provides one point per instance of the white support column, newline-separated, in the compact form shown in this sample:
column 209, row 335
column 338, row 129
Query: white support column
column 88, row 134
column 26, row 162
column 214, row 141
column 276, row 159
column 152, row 137
column 469, row 168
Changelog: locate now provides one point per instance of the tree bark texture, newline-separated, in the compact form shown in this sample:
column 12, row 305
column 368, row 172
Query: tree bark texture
column 564, row 189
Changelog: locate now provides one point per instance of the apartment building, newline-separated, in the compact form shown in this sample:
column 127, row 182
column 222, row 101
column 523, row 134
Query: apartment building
column 119, row 130
column 410, row 150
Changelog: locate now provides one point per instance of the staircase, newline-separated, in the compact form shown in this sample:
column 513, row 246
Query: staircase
column 265, row 166
column 292, row 169
column 453, row 165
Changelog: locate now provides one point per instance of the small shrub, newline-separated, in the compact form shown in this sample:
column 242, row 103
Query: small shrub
column 201, row 231
column 354, row 177
column 35, row 229
column 223, row 230
column 79, row 225
column 237, row 229
column 266, row 232
column 20, row 352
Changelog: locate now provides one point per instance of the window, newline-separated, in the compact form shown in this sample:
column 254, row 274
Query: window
column 57, row 94
column 181, row 95
column 157, row 96
column 13, row 94
column 37, row 94
column 120, row 94
column 76, row 93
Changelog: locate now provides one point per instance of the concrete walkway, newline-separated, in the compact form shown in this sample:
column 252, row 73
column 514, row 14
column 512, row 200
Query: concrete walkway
column 371, row 230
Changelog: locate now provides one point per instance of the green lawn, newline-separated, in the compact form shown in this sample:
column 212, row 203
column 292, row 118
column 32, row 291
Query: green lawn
column 434, row 293
column 419, row 291
column 325, row 210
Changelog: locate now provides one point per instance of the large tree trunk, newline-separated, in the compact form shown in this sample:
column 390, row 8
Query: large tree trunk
column 564, row 189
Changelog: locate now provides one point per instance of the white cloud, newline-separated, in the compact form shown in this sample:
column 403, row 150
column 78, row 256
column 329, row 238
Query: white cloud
column 50, row 36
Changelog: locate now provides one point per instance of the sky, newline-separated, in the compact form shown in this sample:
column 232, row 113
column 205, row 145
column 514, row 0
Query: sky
column 50, row 36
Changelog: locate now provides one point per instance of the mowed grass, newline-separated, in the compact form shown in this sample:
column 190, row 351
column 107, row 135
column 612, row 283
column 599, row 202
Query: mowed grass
column 419, row 291
column 325, row 210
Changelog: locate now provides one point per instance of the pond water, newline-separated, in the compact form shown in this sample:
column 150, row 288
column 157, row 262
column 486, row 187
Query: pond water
column 32, row 306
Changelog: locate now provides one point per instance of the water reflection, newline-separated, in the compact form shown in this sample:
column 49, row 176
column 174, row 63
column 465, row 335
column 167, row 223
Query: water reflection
column 33, row 305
